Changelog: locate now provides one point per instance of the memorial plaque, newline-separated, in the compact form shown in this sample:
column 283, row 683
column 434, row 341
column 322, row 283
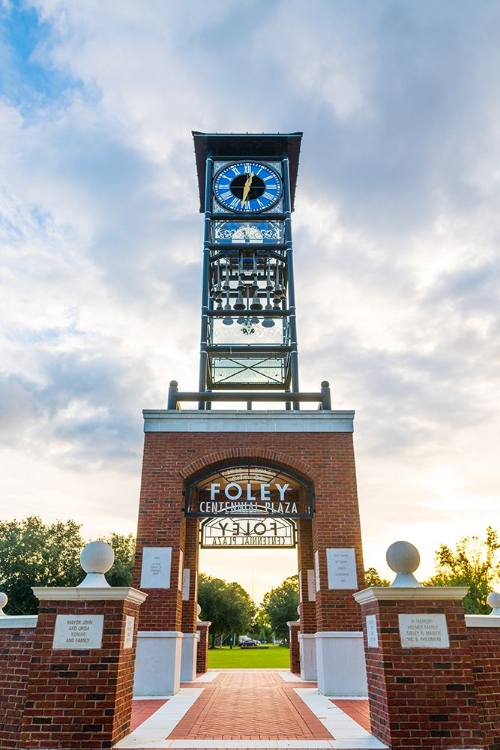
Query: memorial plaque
column 371, row 631
column 128, row 641
column 423, row 631
column 180, row 576
column 186, row 583
column 77, row 631
column 341, row 565
column 316, row 569
column 311, row 586
column 156, row 565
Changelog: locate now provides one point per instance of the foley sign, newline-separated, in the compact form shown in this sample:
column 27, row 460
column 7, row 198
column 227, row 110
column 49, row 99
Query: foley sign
column 248, row 491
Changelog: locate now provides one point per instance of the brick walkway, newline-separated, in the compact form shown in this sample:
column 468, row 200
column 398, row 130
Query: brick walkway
column 249, row 705
column 250, row 710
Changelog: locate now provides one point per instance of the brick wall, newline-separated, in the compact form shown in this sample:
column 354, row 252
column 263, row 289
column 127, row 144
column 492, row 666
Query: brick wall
column 485, row 650
column 16, row 644
column 325, row 458
column 421, row 697
column 80, row 698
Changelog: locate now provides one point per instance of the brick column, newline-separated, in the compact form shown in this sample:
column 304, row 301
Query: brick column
column 339, row 572
column 484, row 641
column 81, row 675
column 17, row 635
column 307, row 588
column 189, row 601
column 293, row 628
column 202, row 650
column 420, row 674
column 159, row 564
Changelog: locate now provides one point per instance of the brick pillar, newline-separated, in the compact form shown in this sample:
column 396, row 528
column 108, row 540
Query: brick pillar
column 484, row 641
column 307, row 587
column 420, row 675
column 159, row 568
column 202, row 650
column 81, row 675
column 17, row 635
column 190, row 601
column 293, row 628
column 339, row 571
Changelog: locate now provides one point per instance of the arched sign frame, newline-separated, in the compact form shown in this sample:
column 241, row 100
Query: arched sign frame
column 249, row 498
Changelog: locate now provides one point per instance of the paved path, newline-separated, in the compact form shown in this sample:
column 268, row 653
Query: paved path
column 244, row 709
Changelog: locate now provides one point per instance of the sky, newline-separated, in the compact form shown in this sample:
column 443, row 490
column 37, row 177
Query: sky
column 396, row 245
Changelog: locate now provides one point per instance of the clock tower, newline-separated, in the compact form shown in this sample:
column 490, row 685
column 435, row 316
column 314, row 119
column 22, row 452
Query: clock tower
column 250, row 477
column 248, row 335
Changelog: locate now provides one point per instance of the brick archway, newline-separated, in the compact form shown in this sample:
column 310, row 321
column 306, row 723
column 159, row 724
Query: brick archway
column 218, row 458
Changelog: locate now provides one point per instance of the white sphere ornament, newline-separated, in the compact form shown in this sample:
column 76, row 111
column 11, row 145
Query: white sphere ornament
column 96, row 559
column 403, row 558
column 3, row 601
column 494, row 602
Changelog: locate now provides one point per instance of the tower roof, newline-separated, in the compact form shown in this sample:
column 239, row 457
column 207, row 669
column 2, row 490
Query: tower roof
column 246, row 146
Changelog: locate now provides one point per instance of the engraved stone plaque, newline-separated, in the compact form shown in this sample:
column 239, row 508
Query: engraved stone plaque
column 180, row 578
column 128, row 641
column 371, row 631
column 186, row 583
column 156, row 565
column 423, row 631
column 311, row 586
column 341, row 565
column 78, row 631
column 316, row 569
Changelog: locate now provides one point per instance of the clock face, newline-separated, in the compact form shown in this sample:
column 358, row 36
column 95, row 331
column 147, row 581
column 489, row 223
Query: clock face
column 247, row 187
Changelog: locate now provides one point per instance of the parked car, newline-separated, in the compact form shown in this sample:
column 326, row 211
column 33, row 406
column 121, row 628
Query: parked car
column 249, row 643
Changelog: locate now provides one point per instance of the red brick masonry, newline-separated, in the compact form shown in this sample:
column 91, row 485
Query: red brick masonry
column 16, row 644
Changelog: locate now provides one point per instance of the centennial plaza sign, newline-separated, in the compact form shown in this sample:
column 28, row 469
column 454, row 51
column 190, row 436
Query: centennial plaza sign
column 247, row 490
column 228, row 533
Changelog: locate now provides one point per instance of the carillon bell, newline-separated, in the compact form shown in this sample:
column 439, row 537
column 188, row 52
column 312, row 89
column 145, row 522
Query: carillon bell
column 239, row 304
column 256, row 304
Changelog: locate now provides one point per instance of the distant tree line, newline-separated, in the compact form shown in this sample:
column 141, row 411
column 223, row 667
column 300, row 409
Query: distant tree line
column 33, row 553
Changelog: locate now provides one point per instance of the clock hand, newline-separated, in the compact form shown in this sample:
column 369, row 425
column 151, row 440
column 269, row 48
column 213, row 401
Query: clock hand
column 246, row 188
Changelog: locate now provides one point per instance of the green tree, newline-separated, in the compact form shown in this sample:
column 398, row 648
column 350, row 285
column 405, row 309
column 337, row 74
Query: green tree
column 280, row 605
column 36, row 554
column 227, row 605
column 123, row 567
column 372, row 578
column 474, row 563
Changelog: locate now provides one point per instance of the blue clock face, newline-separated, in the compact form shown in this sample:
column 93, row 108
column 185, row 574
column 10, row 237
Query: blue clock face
column 247, row 187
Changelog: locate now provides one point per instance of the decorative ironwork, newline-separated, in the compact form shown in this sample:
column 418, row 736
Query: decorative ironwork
column 231, row 533
column 249, row 232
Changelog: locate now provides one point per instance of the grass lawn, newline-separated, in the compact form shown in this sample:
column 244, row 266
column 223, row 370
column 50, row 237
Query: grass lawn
column 272, row 657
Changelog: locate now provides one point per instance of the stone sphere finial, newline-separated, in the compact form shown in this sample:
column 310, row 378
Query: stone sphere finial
column 96, row 559
column 3, row 601
column 494, row 602
column 198, row 612
column 403, row 558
